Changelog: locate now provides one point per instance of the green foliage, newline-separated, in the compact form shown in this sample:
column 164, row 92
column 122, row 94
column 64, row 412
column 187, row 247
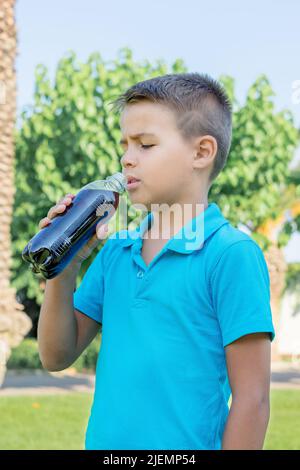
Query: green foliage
column 88, row 359
column 261, row 240
column 292, row 279
column 25, row 356
column 293, row 222
column 251, row 187
column 69, row 137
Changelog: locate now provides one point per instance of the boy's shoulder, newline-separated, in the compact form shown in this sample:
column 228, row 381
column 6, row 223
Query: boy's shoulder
column 228, row 235
column 231, row 240
column 220, row 241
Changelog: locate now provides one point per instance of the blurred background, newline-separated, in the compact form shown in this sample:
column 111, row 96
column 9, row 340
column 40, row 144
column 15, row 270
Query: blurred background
column 61, row 63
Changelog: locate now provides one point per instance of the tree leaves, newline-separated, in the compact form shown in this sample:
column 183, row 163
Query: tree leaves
column 257, row 171
column 69, row 137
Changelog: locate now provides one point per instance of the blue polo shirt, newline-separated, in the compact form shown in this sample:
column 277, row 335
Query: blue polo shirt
column 161, row 377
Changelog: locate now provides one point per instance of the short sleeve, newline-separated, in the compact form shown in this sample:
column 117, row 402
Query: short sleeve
column 240, row 289
column 88, row 297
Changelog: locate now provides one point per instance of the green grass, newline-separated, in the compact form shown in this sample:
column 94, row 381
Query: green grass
column 43, row 422
column 284, row 425
column 59, row 421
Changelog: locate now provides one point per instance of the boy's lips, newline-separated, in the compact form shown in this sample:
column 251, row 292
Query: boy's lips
column 132, row 182
column 131, row 179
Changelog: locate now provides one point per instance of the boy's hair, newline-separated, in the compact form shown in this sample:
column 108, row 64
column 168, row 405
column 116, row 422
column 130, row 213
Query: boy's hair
column 200, row 105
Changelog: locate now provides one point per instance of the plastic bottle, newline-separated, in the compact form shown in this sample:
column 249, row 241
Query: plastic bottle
column 54, row 246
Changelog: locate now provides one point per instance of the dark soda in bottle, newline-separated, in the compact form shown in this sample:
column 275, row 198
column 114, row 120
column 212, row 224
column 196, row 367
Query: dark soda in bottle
column 54, row 246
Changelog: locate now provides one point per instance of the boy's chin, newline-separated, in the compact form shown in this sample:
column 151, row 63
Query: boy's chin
column 140, row 203
column 146, row 203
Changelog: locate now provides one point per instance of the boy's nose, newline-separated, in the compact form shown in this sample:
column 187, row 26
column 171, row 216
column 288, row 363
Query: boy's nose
column 128, row 160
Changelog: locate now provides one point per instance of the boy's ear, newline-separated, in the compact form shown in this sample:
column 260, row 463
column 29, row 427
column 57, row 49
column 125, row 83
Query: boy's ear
column 206, row 148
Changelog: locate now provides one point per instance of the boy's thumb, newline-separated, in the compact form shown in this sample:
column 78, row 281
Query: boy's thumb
column 102, row 231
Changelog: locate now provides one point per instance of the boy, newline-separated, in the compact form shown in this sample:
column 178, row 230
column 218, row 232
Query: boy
column 183, row 324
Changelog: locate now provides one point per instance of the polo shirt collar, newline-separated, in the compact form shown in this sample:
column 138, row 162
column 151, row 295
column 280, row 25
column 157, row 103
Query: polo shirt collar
column 190, row 237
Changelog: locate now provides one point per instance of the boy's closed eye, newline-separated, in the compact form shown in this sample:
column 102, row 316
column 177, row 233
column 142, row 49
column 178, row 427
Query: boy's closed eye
column 144, row 146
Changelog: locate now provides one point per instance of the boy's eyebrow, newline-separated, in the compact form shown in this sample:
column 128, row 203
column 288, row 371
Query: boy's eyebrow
column 136, row 136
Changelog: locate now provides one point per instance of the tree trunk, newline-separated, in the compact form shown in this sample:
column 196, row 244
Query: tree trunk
column 14, row 324
column 277, row 268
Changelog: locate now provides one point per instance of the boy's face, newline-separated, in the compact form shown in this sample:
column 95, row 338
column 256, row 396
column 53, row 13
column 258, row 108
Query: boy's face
column 165, row 170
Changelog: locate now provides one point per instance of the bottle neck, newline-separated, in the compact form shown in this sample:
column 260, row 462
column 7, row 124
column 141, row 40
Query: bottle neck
column 115, row 182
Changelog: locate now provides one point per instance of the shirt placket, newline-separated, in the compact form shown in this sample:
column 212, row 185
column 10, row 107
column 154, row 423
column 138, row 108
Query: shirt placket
column 143, row 272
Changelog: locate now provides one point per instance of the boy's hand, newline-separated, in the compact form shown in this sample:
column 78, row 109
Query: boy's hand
column 86, row 250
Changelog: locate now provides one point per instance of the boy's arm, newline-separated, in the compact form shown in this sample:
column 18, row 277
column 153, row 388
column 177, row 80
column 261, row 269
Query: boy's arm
column 248, row 364
column 63, row 332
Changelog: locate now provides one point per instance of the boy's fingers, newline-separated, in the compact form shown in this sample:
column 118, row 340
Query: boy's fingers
column 60, row 206
column 101, row 228
column 45, row 221
column 67, row 201
column 69, row 196
column 58, row 209
column 101, row 231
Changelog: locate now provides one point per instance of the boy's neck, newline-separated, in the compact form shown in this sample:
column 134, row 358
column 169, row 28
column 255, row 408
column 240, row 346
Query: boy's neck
column 168, row 220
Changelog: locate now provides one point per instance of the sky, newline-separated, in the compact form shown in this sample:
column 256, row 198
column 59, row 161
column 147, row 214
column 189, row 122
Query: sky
column 240, row 39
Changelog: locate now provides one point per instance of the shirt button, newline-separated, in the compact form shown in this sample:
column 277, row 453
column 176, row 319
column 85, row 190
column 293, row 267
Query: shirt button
column 140, row 274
